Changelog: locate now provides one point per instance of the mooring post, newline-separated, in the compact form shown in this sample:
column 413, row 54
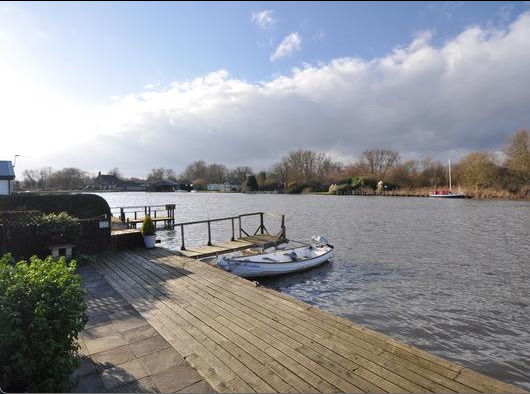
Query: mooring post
column 233, row 230
column 283, row 235
column 209, row 234
column 261, row 221
column 240, row 234
column 182, row 246
column 122, row 215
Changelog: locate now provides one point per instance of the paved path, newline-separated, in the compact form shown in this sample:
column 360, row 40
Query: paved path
column 244, row 338
column 122, row 352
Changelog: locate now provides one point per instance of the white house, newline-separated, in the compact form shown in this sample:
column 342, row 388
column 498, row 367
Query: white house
column 7, row 175
column 224, row 187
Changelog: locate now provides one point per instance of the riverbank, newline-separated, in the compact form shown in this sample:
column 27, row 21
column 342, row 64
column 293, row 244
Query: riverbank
column 482, row 194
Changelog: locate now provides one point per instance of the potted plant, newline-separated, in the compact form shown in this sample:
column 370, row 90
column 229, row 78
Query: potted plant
column 148, row 231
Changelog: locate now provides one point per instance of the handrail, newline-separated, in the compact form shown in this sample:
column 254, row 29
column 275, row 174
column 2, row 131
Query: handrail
column 261, row 228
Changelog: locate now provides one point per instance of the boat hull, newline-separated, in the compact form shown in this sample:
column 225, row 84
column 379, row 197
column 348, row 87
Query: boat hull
column 454, row 195
column 252, row 269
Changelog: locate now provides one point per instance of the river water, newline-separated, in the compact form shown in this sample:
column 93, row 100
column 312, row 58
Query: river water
column 448, row 276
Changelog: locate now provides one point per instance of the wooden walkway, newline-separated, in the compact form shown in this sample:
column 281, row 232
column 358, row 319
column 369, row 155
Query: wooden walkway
column 243, row 338
column 260, row 240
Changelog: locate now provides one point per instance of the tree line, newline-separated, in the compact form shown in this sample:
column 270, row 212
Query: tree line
column 309, row 171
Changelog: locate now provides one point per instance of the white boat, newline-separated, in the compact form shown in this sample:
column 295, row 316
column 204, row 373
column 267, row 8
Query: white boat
column 443, row 193
column 279, row 261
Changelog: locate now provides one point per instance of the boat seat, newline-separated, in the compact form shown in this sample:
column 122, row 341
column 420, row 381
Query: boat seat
column 270, row 259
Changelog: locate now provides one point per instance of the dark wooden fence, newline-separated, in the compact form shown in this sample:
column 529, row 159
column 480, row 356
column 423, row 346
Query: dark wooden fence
column 19, row 234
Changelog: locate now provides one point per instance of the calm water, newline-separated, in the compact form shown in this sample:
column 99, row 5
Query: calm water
column 449, row 276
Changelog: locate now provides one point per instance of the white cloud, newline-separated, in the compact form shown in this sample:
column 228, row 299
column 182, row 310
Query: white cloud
column 290, row 44
column 319, row 36
column 471, row 93
column 263, row 19
column 151, row 86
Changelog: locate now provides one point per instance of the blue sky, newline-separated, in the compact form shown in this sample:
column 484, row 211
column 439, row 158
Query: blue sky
column 94, row 57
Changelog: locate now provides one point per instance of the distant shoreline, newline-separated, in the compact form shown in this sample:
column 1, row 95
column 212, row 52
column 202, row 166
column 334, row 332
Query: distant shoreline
column 481, row 195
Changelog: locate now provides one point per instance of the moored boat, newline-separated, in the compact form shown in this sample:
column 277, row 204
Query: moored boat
column 443, row 193
column 279, row 261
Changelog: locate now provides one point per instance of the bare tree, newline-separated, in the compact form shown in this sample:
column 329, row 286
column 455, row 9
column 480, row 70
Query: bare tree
column 196, row 170
column 240, row 174
column 115, row 171
column 156, row 174
column 377, row 162
column 170, row 174
column 216, row 173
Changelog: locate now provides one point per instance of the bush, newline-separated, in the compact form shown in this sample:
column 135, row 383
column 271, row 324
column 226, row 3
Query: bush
column 58, row 229
column 82, row 206
column 148, row 227
column 42, row 311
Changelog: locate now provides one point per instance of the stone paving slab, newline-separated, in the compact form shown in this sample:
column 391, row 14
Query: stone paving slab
column 121, row 352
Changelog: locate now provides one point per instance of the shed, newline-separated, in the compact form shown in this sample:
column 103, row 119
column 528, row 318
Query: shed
column 7, row 175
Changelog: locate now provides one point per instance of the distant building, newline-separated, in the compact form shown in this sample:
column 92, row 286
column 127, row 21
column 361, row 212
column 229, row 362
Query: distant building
column 106, row 182
column 112, row 182
column 163, row 186
column 223, row 187
column 7, row 175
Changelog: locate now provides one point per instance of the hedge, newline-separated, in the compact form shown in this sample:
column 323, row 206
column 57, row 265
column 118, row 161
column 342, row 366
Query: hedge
column 82, row 206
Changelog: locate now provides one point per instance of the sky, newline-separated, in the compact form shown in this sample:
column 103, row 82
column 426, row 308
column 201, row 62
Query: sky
column 140, row 85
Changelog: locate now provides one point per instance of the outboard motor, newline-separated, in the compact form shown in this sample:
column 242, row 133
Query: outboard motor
column 320, row 240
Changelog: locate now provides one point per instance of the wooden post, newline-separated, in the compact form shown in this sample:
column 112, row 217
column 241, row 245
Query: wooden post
column 122, row 215
column 240, row 234
column 283, row 235
column 233, row 233
column 135, row 215
column 261, row 221
column 209, row 235
column 183, row 246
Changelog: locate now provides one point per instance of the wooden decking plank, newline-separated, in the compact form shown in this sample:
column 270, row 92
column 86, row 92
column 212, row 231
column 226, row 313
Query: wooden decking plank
column 226, row 314
column 261, row 369
column 195, row 345
column 437, row 378
column 424, row 362
column 210, row 338
column 328, row 355
column 369, row 346
column 346, row 386
column 403, row 349
column 315, row 379
column 439, row 367
column 406, row 351
column 342, row 351
column 211, row 370
column 486, row 383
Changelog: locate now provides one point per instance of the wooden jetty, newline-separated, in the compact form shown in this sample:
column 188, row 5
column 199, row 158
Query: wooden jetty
column 244, row 338
column 132, row 215
column 246, row 240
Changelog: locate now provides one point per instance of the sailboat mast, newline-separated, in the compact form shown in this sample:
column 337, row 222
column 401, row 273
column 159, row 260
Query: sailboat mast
column 449, row 175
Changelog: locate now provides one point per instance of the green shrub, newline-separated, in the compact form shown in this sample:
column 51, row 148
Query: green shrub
column 357, row 182
column 58, row 229
column 42, row 311
column 148, row 227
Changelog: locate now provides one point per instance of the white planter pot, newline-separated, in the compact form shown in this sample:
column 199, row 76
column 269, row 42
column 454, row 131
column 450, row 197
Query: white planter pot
column 149, row 241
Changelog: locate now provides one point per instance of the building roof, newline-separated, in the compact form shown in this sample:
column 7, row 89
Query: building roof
column 6, row 170
column 107, row 179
